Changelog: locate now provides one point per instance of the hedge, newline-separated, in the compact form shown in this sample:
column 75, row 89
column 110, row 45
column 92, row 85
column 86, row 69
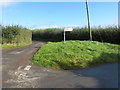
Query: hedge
column 16, row 35
column 108, row 34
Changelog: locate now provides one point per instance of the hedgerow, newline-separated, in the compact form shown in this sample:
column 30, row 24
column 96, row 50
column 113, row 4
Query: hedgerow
column 108, row 34
column 16, row 35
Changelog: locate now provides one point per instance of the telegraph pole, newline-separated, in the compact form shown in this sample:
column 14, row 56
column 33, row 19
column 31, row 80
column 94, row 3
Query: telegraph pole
column 64, row 36
column 88, row 17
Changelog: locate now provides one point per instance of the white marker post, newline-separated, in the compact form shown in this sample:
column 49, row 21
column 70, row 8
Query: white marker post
column 67, row 29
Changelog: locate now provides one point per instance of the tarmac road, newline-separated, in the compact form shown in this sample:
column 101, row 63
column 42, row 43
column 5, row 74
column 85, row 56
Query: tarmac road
column 19, row 72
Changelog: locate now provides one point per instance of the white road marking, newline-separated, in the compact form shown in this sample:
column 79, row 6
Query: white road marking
column 16, row 52
column 19, row 52
column 28, row 79
column 46, row 70
column 27, row 67
column 19, row 68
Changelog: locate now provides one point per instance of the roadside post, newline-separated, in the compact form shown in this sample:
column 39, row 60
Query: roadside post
column 67, row 29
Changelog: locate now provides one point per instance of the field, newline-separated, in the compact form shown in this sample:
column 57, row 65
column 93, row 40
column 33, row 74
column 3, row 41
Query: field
column 76, row 54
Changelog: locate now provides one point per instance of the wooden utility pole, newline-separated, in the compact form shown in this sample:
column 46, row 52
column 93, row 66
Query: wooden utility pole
column 88, row 17
column 64, row 35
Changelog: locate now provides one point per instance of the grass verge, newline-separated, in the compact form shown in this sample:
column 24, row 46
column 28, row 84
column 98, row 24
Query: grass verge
column 76, row 54
column 13, row 46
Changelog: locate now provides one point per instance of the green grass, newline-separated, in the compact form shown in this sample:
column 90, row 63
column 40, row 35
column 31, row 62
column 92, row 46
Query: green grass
column 13, row 46
column 76, row 54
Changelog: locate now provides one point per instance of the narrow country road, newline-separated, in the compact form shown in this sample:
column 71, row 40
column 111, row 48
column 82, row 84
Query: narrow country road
column 19, row 72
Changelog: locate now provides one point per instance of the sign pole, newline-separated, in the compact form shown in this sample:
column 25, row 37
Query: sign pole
column 67, row 29
column 64, row 36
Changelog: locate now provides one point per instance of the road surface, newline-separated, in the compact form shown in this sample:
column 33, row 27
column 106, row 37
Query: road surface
column 19, row 72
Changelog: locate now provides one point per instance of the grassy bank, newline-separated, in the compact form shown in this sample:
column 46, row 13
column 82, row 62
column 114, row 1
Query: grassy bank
column 76, row 54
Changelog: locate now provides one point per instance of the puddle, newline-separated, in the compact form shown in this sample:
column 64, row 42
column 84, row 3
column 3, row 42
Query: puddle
column 36, row 47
